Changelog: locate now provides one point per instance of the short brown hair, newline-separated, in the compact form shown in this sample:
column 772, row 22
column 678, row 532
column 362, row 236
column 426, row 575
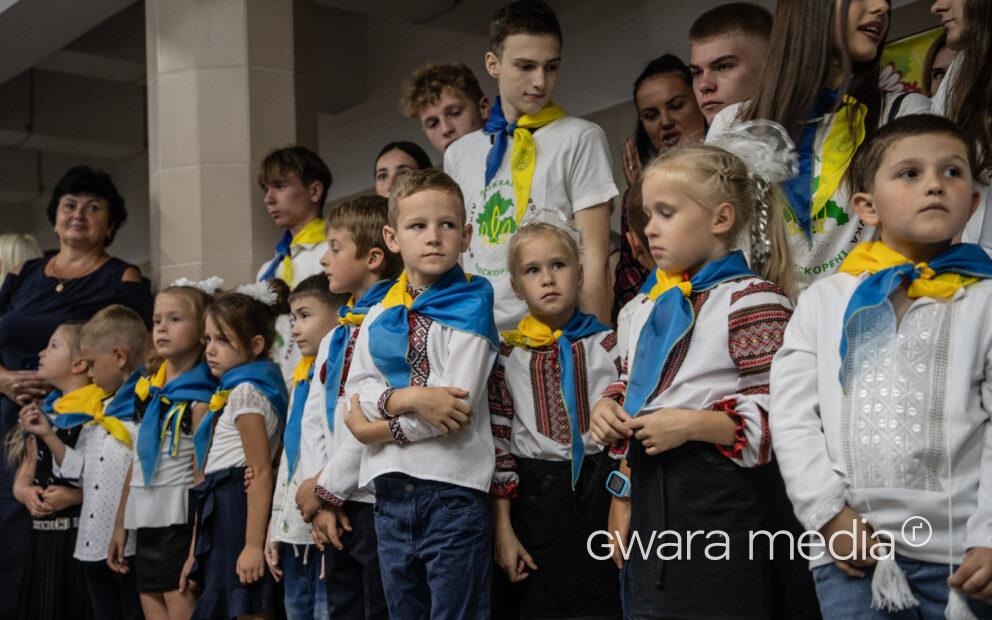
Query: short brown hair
column 864, row 166
column 416, row 181
column 316, row 287
column 241, row 317
column 364, row 218
column 522, row 17
column 732, row 18
column 116, row 326
column 299, row 159
column 425, row 85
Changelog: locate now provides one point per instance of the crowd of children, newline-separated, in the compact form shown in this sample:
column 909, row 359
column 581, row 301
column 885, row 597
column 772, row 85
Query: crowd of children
column 437, row 421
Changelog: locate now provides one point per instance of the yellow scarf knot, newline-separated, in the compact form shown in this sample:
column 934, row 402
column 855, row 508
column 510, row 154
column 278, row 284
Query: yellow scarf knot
column 668, row 281
column 218, row 400
column 302, row 370
column 310, row 234
column 874, row 256
column 532, row 333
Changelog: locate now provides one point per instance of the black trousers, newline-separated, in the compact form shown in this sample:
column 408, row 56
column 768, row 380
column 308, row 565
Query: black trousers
column 352, row 577
column 114, row 596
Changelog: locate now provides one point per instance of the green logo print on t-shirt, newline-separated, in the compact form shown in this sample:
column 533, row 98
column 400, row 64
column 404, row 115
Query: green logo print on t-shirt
column 497, row 219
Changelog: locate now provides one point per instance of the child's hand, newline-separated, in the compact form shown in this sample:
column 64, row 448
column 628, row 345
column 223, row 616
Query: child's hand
column 329, row 526
column 618, row 525
column 34, row 421
column 306, row 501
column 115, row 552
column 607, row 422
column 251, row 565
column 60, row 498
column 661, row 430
column 185, row 583
column 444, row 408
column 974, row 576
column 249, row 476
column 854, row 557
column 272, row 558
column 511, row 555
column 36, row 504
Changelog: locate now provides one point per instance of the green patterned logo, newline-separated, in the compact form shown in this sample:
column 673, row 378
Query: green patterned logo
column 497, row 219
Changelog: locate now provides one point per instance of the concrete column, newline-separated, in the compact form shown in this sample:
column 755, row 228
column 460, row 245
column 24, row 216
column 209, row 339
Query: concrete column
column 228, row 80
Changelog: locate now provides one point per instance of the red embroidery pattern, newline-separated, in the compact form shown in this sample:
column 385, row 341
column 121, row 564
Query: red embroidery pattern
column 397, row 431
column 761, row 286
column 348, row 351
column 327, row 496
column 416, row 355
column 615, row 391
column 503, row 489
column 756, row 334
column 500, row 400
column 505, row 348
column 580, row 375
column 610, row 342
column 545, row 381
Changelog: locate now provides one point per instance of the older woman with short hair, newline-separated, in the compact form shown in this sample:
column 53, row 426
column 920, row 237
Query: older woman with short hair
column 86, row 211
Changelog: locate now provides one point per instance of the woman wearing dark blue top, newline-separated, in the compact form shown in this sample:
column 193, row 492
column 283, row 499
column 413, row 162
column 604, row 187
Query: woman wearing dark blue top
column 86, row 212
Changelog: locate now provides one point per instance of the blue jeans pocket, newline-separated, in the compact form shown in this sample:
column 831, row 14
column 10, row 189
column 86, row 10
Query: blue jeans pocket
column 456, row 502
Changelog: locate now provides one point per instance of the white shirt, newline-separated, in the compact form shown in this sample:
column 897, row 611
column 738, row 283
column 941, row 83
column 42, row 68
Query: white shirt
column 573, row 172
column 624, row 318
column 528, row 413
column 100, row 463
column 306, row 262
column 919, row 398
column 226, row 450
column 284, row 350
column 286, row 524
column 724, row 362
column 455, row 359
column 841, row 230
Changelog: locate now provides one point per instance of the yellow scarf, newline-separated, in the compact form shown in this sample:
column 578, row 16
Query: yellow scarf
column 310, row 234
column 86, row 399
column 838, row 151
column 351, row 318
column 218, row 400
column 531, row 333
column 667, row 281
column 875, row 256
column 111, row 424
column 523, row 156
column 145, row 384
column 302, row 369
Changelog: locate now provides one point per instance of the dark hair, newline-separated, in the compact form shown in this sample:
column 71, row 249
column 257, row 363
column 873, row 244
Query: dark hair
column 861, row 174
column 281, row 288
column 732, row 18
column 938, row 44
column 969, row 97
column 662, row 65
column 300, row 160
column 412, row 149
column 522, row 17
column 241, row 317
column 316, row 287
column 424, row 86
column 86, row 180
column 798, row 63
column 364, row 218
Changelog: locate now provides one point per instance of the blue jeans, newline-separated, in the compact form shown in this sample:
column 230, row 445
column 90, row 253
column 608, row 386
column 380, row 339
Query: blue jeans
column 435, row 549
column 848, row 598
column 305, row 594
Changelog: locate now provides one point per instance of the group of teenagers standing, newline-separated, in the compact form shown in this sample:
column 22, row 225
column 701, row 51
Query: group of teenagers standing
column 428, row 405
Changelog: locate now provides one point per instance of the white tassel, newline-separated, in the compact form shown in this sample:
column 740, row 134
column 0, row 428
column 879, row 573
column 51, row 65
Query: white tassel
column 957, row 607
column 890, row 590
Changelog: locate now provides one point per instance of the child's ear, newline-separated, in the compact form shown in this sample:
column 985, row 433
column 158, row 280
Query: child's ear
column 466, row 238
column 315, row 190
column 976, row 199
column 492, row 64
column 79, row 367
column 120, row 358
column 257, row 346
column 864, row 206
column 516, row 290
column 374, row 259
column 484, row 108
column 723, row 219
column 389, row 236
column 582, row 276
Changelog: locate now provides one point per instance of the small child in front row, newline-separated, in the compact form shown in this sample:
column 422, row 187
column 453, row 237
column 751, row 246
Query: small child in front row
column 169, row 406
column 241, row 429
column 693, row 399
column 358, row 263
column 289, row 549
column 53, row 585
column 881, row 392
column 113, row 345
column 417, row 395
column 549, row 486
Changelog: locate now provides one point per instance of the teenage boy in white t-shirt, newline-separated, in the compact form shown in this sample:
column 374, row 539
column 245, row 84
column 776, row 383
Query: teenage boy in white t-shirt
column 560, row 163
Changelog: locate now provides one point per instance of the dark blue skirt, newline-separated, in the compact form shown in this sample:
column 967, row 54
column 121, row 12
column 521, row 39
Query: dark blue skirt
column 220, row 506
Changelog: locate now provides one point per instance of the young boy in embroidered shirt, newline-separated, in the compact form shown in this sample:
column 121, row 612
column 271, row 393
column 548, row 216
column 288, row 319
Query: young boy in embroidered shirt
column 880, row 393
column 418, row 400
column 447, row 101
column 559, row 162
column 113, row 344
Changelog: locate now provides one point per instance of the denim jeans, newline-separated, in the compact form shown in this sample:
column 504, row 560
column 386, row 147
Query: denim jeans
column 850, row 599
column 305, row 594
column 435, row 549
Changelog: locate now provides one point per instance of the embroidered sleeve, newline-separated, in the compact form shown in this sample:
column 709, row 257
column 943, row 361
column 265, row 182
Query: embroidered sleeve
column 756, row 324
column 327, row 496
column 501, row 417
column 245, row 398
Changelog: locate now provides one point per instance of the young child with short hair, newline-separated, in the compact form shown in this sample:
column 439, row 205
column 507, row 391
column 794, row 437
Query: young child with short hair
column 417, row 388
column 169, row 406
column 113, row 345
column 53, row 585
column 879, row 394
column 548, row 468
column 289, row 548
column 447, row 101
column 226, row 560
column 532, row 156
column 357, row 264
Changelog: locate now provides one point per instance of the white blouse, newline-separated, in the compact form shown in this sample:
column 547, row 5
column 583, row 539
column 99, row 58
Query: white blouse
column 226, row 450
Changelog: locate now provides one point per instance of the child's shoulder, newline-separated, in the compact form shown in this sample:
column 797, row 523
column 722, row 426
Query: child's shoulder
column 465, row 148
column 754, row 290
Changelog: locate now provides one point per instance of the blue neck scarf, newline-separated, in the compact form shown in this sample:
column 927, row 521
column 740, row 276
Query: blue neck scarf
column 339, row 344
column 121, row 406
column 294, row 423
column 452, row 301
column 265, row 375
column 798, row 189
column 497, row 126
column 282, row 251
column 671, row 319
column 194, row 385
column 48, row 405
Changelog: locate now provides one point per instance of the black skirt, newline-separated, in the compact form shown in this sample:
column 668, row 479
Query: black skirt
column 220, row 506
column 159, row 556
column 53, row 584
